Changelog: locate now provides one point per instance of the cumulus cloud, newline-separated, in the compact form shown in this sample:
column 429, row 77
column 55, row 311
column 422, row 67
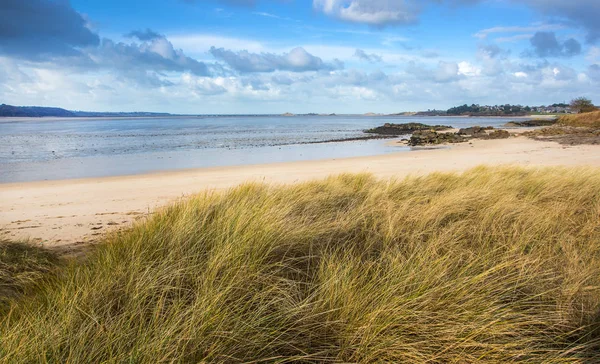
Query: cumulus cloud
column 39, row 28
column 444, row 72
column 297, row 60
column 578, row 13
column 374, row 12
column 42, row 31
column 144, row 35
column 415, row 87
column 358, row 78
column 582, row 13
column 593, row 55
column 378, row 12
column 204, row 85
column 429, row 53
column 490, row 50
column 524, row 31
column 545, row 44
column 594, row 72
column 373, row 58
column 158, row 54
column 135, row 73
column 10, row 71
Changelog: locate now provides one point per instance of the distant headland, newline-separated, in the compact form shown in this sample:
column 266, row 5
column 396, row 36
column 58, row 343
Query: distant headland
column 463, row 110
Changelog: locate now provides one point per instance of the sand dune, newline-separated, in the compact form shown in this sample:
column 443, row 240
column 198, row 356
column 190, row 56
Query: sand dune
column 71, row 212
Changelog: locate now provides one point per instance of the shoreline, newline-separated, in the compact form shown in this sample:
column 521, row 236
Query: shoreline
column 77, row 212
column 15, row 119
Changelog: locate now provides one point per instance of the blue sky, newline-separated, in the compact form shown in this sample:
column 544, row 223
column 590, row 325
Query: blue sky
column 274, row 56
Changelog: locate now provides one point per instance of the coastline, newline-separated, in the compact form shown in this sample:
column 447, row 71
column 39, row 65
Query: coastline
column 75, row 212
column 13, row 119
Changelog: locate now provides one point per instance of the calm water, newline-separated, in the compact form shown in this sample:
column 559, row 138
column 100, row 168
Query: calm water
column 43, row 150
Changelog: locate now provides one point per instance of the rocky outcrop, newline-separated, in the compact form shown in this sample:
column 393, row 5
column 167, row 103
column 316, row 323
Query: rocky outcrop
column 531, row 123
column 498, row 134
column 566, row 135
column 487, row 132
column 475, row 131
column 430, row 137
column 404, row 129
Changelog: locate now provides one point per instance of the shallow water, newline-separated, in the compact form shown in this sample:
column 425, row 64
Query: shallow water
column 47, row 150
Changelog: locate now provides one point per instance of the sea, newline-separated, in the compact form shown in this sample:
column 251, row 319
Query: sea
column 37, row 150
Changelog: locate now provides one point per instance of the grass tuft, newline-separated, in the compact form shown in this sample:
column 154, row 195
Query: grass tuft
column 496, row 264
column 22, row 266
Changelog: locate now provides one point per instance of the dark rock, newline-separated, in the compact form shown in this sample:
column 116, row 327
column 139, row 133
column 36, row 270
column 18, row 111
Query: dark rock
column 475, row 131
column 566, row 135
column 431, row 137
column 498, row 134
column 484, row 133
column 531, row 123
column 404, row 129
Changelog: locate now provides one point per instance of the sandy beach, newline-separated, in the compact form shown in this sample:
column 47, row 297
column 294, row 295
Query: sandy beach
column 72, row 212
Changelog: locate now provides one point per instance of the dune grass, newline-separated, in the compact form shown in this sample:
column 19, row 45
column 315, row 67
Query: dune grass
column 21, row 267
column 589, row 120
column 492, row 265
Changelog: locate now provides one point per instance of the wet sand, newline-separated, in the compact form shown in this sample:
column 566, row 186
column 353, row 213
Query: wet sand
column 78, row 212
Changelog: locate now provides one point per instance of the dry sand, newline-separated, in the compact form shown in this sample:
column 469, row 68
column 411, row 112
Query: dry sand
column 77, row 212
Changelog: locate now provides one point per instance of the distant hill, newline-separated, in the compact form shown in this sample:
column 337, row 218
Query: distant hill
column 40, row 111
column 33, row 111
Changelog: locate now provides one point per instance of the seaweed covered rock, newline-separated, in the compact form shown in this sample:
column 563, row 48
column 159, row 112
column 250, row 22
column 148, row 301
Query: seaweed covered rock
column 475, row 131
column 425, row 137
column 404, row 129
column 531, row 123
column 498, row 134
column 432, row 137
column 488, row 132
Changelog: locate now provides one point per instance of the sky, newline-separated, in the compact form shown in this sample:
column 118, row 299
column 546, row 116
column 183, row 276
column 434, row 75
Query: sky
column 299, row 56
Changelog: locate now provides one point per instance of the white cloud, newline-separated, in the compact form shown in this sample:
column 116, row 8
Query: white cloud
column 593, row 55
column 483, row 34
column 197, row 44
column 412, row 87
column 514, row 38
column 374, row 12
column 468, row 69
column 296, row 60
column 272, row 16
column 373, row 58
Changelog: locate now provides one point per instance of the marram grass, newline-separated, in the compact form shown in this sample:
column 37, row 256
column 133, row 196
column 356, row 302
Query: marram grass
column 492, row 265
column 589, row 119
column 21, row 267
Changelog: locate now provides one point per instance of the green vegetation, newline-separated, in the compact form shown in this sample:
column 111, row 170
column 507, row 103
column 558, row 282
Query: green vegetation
column 41, row 111
column 477, row 110
column 509, row 110
column 582, row 105
column 21, row 267
column 492, row 265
